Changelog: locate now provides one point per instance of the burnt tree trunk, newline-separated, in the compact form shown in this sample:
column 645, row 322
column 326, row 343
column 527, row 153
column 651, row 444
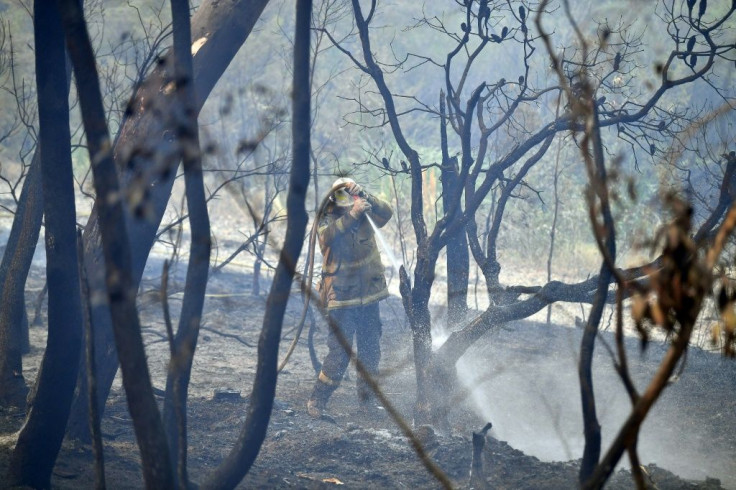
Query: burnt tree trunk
column 121, row 291
column 89, row 357
column 241, row 458
column 416, row 306
column 598, row 183
column 457, row 256
column 458, row 260
column 225, row 26
column 434, row 379
column 184, row 122
column 13, row 275
column 40, row 439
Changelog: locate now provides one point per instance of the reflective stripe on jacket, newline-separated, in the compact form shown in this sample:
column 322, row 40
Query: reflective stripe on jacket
column 352, row 271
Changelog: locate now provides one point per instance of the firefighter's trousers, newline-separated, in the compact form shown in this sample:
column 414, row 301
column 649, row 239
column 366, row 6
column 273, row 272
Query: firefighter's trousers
column 363, row 323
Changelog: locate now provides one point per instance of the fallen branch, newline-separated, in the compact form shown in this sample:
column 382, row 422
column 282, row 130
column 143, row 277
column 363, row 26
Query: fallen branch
column 227, row 335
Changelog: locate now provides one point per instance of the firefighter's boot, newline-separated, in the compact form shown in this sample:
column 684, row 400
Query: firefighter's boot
column 317, row 402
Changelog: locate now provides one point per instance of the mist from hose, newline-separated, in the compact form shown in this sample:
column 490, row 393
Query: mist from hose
column 384, row 244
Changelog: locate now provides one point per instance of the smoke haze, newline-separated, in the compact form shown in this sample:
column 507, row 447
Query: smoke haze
column 525, row 379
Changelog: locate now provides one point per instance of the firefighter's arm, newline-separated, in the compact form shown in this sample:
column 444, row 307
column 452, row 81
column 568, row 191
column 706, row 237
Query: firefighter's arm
column 380, row 210
column 331, row 227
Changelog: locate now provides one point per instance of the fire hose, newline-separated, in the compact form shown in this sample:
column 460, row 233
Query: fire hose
column 308, row 275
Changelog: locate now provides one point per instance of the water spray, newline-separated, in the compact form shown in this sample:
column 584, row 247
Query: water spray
column 384, row 244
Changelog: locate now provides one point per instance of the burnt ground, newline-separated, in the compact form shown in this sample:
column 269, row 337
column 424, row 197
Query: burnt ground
column 515, row 363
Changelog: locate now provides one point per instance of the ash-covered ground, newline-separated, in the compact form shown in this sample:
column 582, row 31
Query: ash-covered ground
column 523, row 380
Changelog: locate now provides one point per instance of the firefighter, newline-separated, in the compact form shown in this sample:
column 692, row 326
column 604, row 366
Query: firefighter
column 352, row 284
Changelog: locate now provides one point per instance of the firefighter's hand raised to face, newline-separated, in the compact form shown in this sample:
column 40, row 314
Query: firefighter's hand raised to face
column 360, row 207
column 354, row 189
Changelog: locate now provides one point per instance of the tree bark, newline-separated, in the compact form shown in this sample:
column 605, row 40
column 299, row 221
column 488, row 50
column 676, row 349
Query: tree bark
column 184, row 122
column 40, row 439
column 225, row 26
column 89, row 357
column 426, row 404
column 13, row 275
column 457, row 256
column 599, row 192
column 241, row 458
column 121, row 292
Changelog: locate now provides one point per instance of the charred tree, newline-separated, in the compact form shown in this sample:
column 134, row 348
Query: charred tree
column 89, row 356
column 14, row 270
column 121, row 291
column 676, row 294
column 671, row 297
column 499, row 107
column 40, row 439
column 241, row 458
column 141, row 142
column 457, row 256
column 16, row 264
column 184, row 123
column 598, row 199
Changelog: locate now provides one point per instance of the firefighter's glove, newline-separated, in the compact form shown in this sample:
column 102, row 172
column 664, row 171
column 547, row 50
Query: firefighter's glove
column 360, row 207
column 355, row 189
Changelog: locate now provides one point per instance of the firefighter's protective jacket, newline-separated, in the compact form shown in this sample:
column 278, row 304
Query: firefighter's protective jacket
column 352, row 271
